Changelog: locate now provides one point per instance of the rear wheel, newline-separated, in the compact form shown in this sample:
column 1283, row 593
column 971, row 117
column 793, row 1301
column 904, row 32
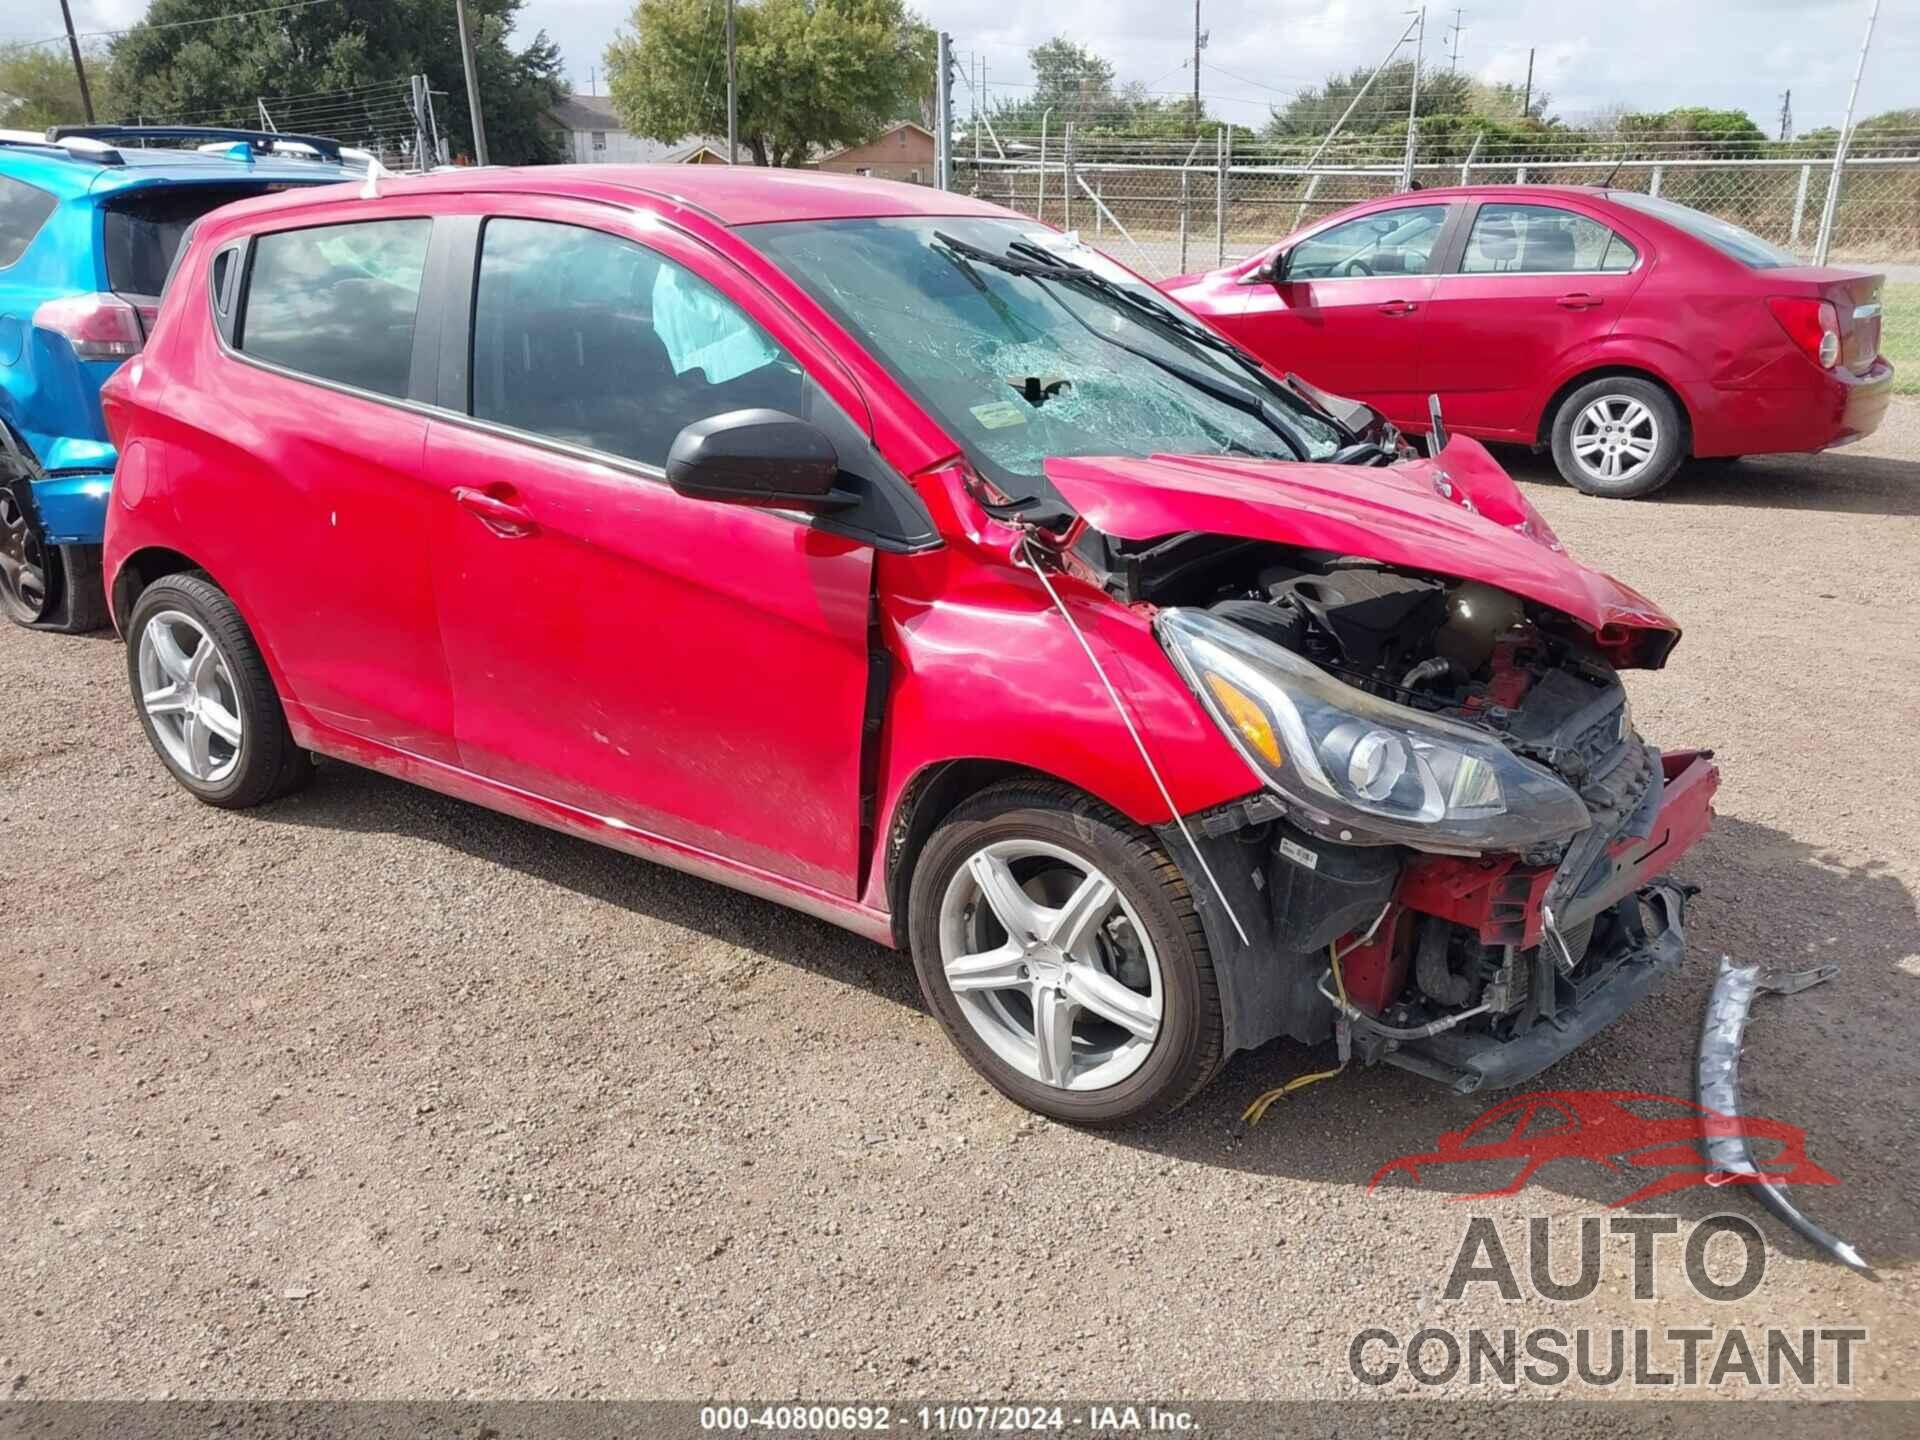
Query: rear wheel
column 1618, row 437
column 205, row 697
column 1059, row 946
column 26, row 587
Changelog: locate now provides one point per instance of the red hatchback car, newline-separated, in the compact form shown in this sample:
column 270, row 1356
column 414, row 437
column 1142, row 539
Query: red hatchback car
column 1623, row 331
column 883, row 553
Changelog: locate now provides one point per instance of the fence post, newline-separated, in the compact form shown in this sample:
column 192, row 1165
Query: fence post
column 1186, row 209
column 1066, row 181
column 1466, row 165
column 1519, row 174
column 1800, row 203
column 1220, row 197
column 1099, row 205
column 1653, row 179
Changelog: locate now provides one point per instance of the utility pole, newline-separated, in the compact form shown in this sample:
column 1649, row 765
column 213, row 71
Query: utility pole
column 80, row 70
column 1198, row 42
column 1413, row 100
column 1359, row 95
column 943, row 113
column 1459, row 14
column 1844, row 143
column 733, row 96
column 1526, row 105
column 473, row 83
column 422, row 146
column 1786, row 116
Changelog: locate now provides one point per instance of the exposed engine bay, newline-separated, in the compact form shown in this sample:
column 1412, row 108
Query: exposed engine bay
column 1441, row 956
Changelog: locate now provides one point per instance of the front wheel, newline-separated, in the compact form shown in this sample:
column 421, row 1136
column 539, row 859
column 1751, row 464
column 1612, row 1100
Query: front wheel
column 1618, row 437
column 1059, row 946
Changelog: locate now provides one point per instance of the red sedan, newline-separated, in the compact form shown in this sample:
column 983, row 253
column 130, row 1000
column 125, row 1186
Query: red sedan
column 1623, row 331
column 879, row 552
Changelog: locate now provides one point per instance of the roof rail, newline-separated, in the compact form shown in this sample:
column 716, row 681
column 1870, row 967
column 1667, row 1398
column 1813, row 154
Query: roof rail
column 263, row 141
column 75, row 147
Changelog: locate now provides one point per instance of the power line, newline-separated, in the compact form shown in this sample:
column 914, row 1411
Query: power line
column 61, row 38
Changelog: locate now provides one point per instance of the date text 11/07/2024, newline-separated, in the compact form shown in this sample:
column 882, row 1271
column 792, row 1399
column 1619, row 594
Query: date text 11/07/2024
column 946, row 1419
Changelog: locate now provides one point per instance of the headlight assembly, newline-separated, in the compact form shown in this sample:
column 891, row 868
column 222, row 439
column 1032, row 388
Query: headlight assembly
column 1348, row 761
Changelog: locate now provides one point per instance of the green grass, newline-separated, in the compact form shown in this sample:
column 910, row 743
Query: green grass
column 1900, row 335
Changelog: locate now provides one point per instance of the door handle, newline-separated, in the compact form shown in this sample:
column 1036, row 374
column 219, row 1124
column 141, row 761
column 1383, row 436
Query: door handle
column 1578, row 300
column 503, row 517
column 1398, row 307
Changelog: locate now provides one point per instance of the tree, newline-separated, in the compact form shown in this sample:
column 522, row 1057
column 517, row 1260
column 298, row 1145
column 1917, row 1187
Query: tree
column 1073, row 82
column 1314, row 111
column 38, row 87
column 809, row 73
column 213, row 73
column 1695, row 132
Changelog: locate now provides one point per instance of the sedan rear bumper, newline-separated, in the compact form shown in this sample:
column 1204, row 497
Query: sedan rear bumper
column 1836, row 407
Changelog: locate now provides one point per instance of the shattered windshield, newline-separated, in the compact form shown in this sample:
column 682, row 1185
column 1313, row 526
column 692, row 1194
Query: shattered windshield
column 1024, row 366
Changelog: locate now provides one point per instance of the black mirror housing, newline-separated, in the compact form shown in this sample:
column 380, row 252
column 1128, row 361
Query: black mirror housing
column 1274, row 272
column 757, row 457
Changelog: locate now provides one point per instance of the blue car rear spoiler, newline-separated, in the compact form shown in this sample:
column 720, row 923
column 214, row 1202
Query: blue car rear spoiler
column 263, row 141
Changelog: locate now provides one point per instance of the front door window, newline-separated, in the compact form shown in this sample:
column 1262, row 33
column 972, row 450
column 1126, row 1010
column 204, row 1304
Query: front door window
column 1386, row 242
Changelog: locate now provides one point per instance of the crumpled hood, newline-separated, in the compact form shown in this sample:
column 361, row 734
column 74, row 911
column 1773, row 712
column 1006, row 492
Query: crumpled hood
column 1459, row 515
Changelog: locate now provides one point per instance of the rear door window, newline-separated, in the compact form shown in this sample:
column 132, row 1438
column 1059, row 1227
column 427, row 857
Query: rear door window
column 23, row 210
column 338, row 301
column 1542, row 240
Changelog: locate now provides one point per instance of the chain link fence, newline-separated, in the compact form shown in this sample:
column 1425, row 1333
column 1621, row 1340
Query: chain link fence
column 1173, row 208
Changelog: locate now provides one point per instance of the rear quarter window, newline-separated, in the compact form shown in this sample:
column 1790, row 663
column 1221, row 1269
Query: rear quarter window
column 338, row 301
column 23, row 210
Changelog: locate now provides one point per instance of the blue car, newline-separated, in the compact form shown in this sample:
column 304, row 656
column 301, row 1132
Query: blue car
column 90, row 220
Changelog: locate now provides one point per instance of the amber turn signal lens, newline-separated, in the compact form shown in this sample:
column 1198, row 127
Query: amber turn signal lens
column 1249, row 721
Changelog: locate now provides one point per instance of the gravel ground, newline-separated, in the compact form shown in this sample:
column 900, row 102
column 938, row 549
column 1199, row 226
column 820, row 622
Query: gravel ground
column 372, row 1093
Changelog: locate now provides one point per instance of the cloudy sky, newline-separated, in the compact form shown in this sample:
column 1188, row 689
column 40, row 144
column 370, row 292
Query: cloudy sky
column 1647, row 54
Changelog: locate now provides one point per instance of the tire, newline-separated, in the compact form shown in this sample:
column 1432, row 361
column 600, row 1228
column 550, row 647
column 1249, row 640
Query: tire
column 1141, row 956
column 29, row 582
column 1600, row 429
column 81, row 603
column 219, row 729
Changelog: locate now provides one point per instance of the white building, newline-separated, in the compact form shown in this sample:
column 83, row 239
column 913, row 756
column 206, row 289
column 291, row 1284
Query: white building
column 596, row 135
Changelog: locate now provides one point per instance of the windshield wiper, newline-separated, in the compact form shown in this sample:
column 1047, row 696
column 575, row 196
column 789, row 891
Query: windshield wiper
column 1167, row 318
column 1223, row 390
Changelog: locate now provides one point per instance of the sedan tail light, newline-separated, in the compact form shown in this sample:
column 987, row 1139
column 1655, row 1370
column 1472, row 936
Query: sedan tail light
column 1813, row 325
column 99, row 327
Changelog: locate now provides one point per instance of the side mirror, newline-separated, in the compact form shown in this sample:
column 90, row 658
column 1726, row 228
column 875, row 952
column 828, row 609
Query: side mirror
column 1274, row 272
column 757, row 457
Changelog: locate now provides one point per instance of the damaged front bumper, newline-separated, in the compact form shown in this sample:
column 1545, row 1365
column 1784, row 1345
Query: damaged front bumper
column 1649, row 942
column 1638, row 921
column 1297, row 897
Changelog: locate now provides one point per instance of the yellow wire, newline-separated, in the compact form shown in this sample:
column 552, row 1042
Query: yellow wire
column 1255, row 1112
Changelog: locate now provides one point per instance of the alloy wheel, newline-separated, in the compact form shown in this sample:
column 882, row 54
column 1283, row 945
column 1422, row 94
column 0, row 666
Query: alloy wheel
column 1050, row 965
column 187, row 690
column 23, row 563
column 1615, row 438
